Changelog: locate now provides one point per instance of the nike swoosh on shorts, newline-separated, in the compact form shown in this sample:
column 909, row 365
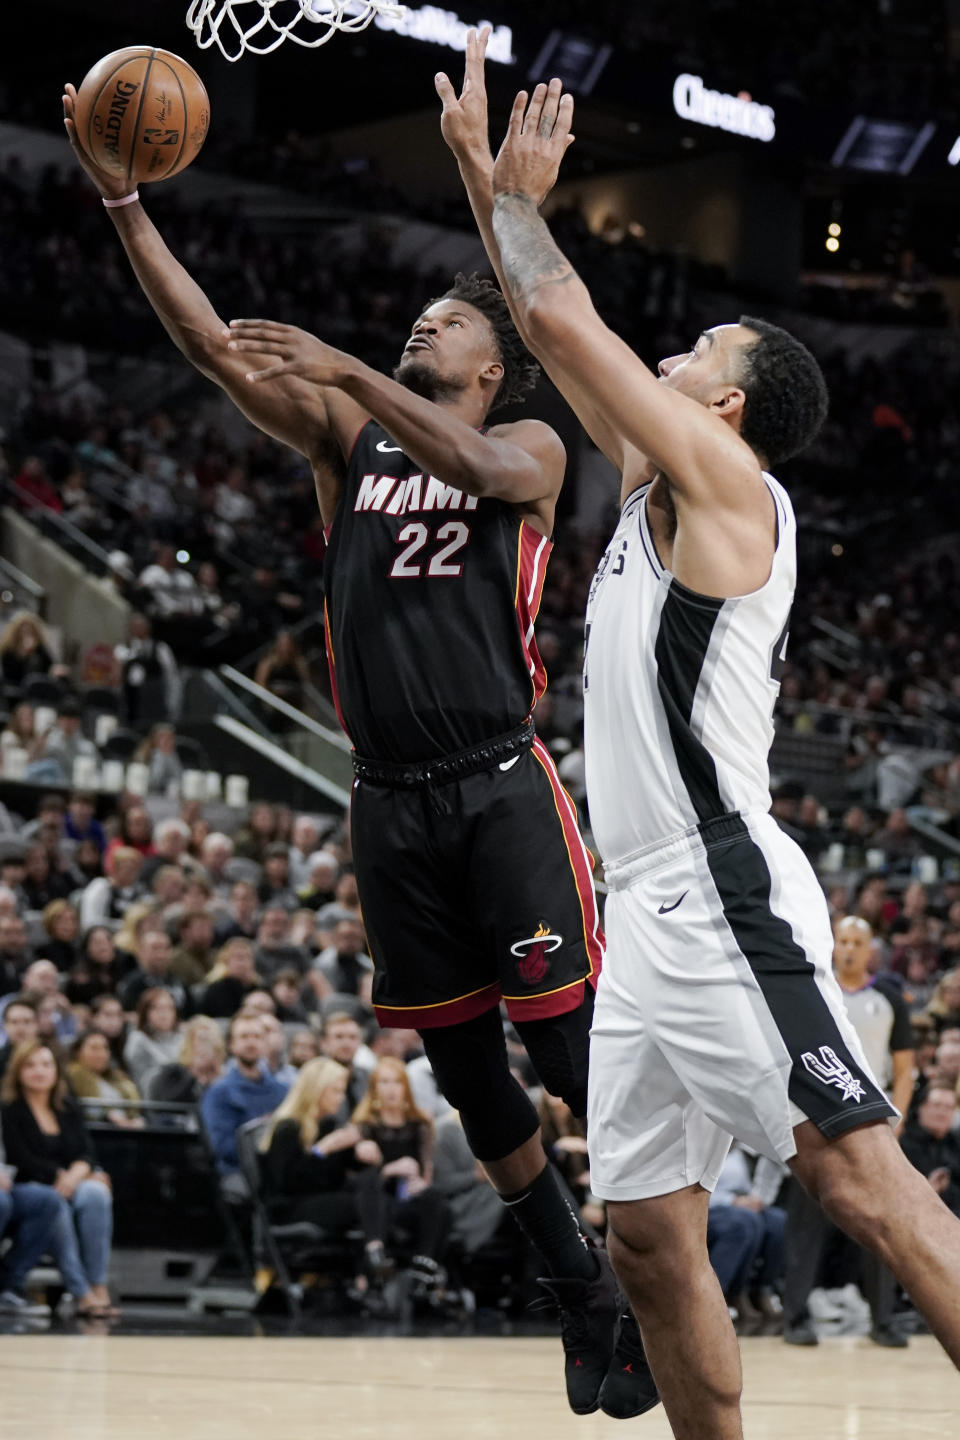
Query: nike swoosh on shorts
column 665, row 909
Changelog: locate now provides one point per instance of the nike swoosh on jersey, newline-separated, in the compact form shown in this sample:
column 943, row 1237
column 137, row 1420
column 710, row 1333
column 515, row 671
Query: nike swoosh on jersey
column 665, row 909
column 389, row 449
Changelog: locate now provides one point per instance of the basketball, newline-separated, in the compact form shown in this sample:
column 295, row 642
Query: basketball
column 142, row 113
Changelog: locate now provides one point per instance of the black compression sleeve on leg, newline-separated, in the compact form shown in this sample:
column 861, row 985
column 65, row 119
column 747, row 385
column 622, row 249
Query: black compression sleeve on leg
column 470, row 1065
column 546, row 1218
column 559, row 1050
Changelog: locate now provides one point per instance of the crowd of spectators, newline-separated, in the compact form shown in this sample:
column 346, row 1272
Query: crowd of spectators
column 228, row 972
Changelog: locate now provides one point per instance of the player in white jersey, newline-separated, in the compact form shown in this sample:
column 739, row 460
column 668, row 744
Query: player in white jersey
column 717, row 1013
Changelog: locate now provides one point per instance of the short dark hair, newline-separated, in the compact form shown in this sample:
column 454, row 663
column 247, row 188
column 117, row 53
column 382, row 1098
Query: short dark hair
column 26, row 1001
column 786, row 394
column 520, row 370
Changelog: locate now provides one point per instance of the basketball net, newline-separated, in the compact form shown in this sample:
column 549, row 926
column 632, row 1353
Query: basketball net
column 259, row 26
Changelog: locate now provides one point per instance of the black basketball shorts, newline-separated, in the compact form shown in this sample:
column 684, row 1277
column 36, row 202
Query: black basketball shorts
column 474, row 891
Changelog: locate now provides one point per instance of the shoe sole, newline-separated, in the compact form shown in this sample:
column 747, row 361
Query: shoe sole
column 630, row 1414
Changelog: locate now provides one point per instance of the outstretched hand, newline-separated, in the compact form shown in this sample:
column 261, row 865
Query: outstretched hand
column 297, row 352
column 111, row 187
column 463, row 123
column 536, row 141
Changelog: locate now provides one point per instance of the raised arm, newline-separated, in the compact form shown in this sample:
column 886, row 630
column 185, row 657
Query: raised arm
column 464, row 126
column 522, row 463
column 688, row 442
column 292, row 412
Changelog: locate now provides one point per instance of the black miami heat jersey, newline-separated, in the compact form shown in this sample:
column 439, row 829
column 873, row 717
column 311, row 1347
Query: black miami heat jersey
column 431, row 597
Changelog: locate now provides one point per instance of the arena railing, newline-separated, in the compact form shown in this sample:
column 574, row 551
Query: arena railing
column 917, row 729
column 26, row 590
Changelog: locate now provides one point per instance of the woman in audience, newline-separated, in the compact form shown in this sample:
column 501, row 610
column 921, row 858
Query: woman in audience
column 140, row 917
column 156, row 1040
column 231, row 981
column 135, row 833
column 159, row 752
column 285, row 673
column 310, row 1158
column 403, row 1194
column 24, row 650
column 97, row 971
column 46, row 1139
column 252, row 839
column 92, row 1075
column 61, row 921
column 944, row 1008
column 107, row 1016
column 202, row 1054
column 20, row 731
column 41, row 883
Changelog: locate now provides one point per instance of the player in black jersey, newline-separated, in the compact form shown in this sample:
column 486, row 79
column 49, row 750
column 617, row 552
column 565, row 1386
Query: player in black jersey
column 474, row 880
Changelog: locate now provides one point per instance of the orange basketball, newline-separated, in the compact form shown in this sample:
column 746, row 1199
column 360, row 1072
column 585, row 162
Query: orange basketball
column 142, row 114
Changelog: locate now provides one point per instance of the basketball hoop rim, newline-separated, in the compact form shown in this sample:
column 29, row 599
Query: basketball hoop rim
column 268, row 30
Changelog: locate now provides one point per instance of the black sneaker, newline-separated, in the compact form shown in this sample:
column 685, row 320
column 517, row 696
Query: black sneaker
column 800, row 1332
column 629, row 1388
column 889, row 1337
column 588, row 1317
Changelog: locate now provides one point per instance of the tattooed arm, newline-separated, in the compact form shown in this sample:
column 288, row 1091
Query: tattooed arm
column 684, row 439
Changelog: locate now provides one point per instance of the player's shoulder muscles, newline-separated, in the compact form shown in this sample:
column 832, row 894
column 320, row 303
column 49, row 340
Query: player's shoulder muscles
column 532, row 457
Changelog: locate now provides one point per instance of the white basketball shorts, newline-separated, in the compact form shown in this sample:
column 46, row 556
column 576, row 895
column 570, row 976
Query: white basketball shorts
column 717, row 1013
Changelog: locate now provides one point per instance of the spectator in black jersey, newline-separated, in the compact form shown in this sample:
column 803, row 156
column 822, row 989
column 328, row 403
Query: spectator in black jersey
column 409, row 708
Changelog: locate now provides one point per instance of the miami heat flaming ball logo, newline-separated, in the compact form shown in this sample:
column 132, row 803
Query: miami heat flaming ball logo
column 532, row 954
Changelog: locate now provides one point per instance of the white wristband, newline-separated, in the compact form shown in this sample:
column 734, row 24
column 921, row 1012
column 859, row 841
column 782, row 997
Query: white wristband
column 124, row 200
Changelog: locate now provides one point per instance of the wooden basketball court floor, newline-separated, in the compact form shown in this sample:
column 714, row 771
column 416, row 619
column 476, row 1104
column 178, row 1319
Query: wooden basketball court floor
column 206, row 1388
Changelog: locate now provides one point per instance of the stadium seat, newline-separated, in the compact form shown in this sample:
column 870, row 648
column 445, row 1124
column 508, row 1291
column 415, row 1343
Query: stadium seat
column 42, row 690
column 101, row 700
column 191, row 752
column 120, row 745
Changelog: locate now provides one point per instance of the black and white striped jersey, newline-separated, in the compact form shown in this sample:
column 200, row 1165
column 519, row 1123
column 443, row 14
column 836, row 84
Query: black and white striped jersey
column 679, row 689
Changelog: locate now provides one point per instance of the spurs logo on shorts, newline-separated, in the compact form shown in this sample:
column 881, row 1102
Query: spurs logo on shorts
column 831, row 1070
column 532, row 954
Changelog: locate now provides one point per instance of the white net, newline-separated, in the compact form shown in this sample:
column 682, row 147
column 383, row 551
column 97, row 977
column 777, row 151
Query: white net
column 236, row 26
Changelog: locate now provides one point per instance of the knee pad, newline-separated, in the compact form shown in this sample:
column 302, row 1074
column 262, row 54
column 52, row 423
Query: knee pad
column 559, row 1051
column 471, row 1068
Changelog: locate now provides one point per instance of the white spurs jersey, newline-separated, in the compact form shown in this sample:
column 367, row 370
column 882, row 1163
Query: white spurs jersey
column 679, row 689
